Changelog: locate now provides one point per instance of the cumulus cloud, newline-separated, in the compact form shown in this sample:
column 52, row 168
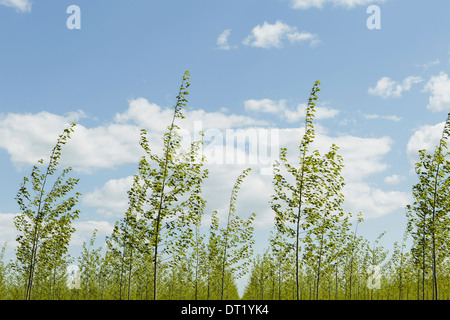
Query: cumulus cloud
column 274, row 35
column 84, row 230
column 393, row 179
column 388, row 88
column 111, row 199
column 265, row 105
column 283, row 111
column 155, row 118
column 439, row 87
column 373, row 202
column 222, row 40
column 349, row 4
column 425, row 137
column 116, row 143
column 30, row 137
column 7, row 230
column 363, row 157
column 19, row 5
column 428, row 64
column 388, row 117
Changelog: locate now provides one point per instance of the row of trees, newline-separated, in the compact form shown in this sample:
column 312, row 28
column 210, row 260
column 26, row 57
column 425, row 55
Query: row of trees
column 161, row 248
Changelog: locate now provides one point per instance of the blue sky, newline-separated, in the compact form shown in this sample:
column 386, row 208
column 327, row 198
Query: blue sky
column 385, row 93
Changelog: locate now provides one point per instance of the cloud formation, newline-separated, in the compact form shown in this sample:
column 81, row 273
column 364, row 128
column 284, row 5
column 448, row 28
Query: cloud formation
column 429, row 64
column 30, row 137
column 222, row 40
column 276, row 35
column 387, row 88
column 349, row 4
column 111, row 199
column 284, row 112
column 425, row 137
column 388, row 117
column 19, row 5
column 115, row 143
column 439, row 87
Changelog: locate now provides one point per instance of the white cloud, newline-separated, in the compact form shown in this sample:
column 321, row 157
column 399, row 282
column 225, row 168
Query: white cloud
column 393, row 179
column 254, row 194
column 112, row 198
column 387, row 88
column 349, row 4
column 377, row 116
column 426, row 137
column 151, row 116
column 321, row 112
column 373, row 202
column 282, row 110
column 439, row 86
column 222, row 40
column 362, row 156
column 20, row 5
column 265, row 105
column 84, row 230
column 429, row 64
column 7, row 230
column 116, row 143
column 30, row 137
column 272, row 36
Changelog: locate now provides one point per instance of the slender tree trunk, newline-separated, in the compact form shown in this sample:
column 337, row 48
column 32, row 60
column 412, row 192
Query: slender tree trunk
column 318, row 268
column 297, row 234
column 129, row 272
column 433, row 239
column 351, row 259
column 423, row 263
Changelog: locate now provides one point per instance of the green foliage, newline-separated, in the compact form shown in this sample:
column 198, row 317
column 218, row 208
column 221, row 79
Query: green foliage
column 161, row 248
column 44, row 224
column 428, row 216
column 237, row 239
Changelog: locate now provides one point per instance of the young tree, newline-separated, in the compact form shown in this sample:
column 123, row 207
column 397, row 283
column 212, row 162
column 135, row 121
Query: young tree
column 237, row 239
column 3, row 279
column 375, row 256
column 326, row 222
column 90, row 262
column 170, row 189
column 428, row 216
column 44, row 224
column 295, row 197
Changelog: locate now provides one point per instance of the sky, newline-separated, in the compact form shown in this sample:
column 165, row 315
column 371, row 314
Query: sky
column 115, row 68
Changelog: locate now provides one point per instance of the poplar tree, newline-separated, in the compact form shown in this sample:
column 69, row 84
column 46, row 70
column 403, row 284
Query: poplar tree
column 170, row 189
column 326, row 223
column 237, row 239
column 3, row 274
column 44, row 224
column 90, row 262
column 428, row 216
column 290, row 200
